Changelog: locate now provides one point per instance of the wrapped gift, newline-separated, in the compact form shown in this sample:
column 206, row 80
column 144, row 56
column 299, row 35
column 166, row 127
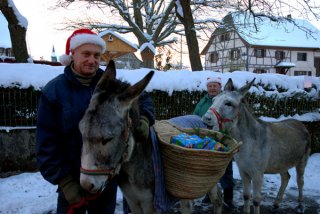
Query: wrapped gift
column 187, row 141
column 196, row 142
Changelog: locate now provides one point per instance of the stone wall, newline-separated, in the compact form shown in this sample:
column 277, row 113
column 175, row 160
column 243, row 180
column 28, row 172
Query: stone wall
column 17, row 150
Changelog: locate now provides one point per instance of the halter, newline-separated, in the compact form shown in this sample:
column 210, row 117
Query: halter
column 113, row 171
column 220, row 119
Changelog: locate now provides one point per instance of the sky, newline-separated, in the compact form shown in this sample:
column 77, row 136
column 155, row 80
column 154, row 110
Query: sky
column 44, row 22
column 22, row 194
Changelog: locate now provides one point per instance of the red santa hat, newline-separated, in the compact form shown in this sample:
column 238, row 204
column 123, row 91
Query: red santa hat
column 213, row 79
column 78, row 38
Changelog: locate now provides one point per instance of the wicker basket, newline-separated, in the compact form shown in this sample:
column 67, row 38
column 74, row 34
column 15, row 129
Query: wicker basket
column 190, row 173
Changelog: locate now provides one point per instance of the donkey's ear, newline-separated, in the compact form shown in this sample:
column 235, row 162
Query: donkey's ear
column 109, row 74
column 229, row 86
column 135, row 90
column 244, row 89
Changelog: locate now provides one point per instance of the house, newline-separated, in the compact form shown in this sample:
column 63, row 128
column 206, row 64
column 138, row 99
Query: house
column 5, row 40
column 120, row 50
column 264, row 47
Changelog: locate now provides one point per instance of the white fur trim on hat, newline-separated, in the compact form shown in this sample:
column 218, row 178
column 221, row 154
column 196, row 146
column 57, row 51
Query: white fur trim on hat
column 65, row 59
column 213, row 79
column 81, row 39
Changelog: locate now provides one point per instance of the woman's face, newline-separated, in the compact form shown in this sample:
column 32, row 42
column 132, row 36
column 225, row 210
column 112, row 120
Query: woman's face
column 213, row 89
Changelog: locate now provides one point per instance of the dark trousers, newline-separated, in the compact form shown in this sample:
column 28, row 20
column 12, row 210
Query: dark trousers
column 226, row 180
column 104, row 204
column 125, row 206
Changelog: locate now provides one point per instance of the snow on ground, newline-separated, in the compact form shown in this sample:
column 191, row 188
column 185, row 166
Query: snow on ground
column 29, row 193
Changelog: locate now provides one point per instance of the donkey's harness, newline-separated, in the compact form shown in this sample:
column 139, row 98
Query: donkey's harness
column 220, row 119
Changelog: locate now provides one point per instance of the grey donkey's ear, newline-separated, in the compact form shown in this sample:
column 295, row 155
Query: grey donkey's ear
column 135, row 90
column 244, row 89
column 229, row 86
column 109, row 74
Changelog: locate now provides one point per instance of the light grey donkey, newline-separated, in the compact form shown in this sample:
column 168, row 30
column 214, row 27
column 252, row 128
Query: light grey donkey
column 268, row 147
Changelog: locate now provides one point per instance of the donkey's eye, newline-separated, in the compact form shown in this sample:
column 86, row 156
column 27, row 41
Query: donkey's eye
column 106, row 140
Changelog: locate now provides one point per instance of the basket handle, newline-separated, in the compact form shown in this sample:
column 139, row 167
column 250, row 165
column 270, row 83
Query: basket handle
column 238, row 149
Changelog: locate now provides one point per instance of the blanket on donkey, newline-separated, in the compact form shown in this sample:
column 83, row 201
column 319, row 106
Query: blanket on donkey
column 162, row 201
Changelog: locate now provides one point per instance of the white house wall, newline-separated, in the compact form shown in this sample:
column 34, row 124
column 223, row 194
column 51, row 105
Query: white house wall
column 268, row 62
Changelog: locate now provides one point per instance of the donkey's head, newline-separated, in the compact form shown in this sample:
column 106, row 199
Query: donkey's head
column 106, row 129
column 225, row 108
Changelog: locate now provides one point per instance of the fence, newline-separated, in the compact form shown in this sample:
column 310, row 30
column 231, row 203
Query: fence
column 18, row 107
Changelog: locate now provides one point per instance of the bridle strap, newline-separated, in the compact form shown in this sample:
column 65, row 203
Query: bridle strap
column 220, row 119
column 97, row 171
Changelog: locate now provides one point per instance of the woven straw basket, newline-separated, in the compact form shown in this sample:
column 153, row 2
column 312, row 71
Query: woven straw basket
column 190, row 173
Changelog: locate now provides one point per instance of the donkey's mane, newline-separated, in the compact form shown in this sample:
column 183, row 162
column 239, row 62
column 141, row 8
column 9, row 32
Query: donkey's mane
column 114, row 87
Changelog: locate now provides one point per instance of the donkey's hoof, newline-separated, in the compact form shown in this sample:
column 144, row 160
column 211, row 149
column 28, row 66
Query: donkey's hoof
column 275, row 206
column 300, row 209
column 275, row 209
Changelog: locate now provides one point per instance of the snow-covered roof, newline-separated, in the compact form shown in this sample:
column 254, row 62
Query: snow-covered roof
column 285, row 64
column 286, row 33
column 5, row 39
column 103, row 33
column 148, row 45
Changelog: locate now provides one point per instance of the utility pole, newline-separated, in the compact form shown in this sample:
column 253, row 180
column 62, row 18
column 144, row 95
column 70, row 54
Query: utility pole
column 181, row 52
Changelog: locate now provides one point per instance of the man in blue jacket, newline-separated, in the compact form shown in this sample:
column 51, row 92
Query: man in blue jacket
column 61, row 106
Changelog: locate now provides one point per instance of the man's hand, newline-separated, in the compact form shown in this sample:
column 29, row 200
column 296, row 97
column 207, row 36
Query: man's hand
column 72, row 190
column 143, row 129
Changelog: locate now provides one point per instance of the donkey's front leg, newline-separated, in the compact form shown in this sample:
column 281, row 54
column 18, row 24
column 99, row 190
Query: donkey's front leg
column 257, row 181
column 215, row 195
column 186, row 206
column 246, row 181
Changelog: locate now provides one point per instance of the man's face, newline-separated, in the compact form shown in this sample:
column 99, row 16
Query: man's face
column 213, row 89
column 86, row 59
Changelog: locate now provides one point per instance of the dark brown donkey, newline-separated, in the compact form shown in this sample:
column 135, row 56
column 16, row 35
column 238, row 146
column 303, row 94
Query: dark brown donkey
column 109, row 146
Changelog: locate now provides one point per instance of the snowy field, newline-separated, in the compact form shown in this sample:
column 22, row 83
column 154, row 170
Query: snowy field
column 29, row 193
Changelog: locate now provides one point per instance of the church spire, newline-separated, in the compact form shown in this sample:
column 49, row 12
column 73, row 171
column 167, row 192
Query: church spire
column 53, row 55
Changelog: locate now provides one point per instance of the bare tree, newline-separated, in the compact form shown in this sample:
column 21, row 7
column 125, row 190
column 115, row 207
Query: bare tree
column 157, row 22
column 184, row 13
column 17, row 30
column 150, row 21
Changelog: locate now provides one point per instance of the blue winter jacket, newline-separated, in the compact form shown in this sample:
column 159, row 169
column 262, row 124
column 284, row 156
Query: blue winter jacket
column 62, row 104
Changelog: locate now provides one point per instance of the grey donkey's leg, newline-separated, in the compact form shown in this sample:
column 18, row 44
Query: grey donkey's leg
column 186, row 206
column 257, row 182
column 215, row 195
column 246, row 181
column 285, row 177
column 300, row 168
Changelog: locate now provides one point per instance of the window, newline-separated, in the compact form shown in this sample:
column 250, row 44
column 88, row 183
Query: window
column 225, row 37
column 259, row 71
column 302, row 57
column 279, row 55
column 110, row 38
column 214, row 57
column 259, row 53
column 2, row 51
column 234, row 54
column 302, row 73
